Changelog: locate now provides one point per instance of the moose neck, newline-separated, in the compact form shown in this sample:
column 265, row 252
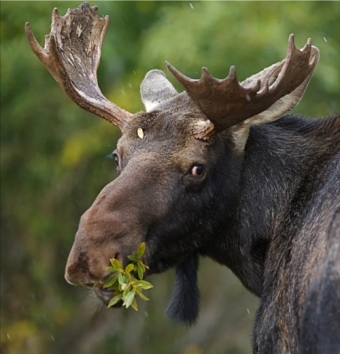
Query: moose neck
column 277, row 161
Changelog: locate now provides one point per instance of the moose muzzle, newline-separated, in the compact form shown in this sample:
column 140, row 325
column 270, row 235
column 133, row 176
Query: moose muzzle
column 110, row 228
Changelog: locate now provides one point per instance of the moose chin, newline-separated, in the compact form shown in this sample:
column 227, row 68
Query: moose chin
column 221, row 170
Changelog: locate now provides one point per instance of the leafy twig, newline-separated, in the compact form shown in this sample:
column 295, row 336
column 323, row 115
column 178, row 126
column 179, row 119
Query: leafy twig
column 124, row 284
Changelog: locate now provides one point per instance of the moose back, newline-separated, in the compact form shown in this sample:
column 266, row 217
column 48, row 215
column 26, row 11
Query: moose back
column 220, row 170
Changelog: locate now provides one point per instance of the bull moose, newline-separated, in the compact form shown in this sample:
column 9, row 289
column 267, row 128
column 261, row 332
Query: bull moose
column 220, row 170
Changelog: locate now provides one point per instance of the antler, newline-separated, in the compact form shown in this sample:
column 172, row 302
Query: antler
column 227, row 103
column 72, row 55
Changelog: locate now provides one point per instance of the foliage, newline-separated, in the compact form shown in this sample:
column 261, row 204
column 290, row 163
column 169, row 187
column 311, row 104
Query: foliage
column 123, row 282
column 53, row 163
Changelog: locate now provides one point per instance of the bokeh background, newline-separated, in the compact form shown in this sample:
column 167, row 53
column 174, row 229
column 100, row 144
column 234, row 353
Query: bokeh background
column 53, row 164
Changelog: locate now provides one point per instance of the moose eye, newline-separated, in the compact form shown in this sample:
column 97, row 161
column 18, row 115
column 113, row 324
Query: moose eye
column 114, row 156
column 197, row 170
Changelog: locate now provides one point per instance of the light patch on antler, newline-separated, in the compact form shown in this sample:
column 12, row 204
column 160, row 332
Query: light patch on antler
column 203, row 129
column 70, row 59
column 79, row 30
column 140, row 133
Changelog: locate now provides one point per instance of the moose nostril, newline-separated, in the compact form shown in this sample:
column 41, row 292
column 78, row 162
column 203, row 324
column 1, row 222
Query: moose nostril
column 116, row 255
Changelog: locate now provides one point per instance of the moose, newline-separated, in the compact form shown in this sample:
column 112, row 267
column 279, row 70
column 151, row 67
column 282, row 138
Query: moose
column 221, row 170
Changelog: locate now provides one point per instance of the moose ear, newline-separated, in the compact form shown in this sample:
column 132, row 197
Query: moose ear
column 155, row 89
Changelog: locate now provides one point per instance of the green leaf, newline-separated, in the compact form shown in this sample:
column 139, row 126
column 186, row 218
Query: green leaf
column 128, row 299
column 114, row 287
column 142, row 266
column 140, row 271
column 142, row 296
column 140, row 250
column 128, row 277
column 129, row 268
column 112, row 269
column 121, row 278
column 115, row 263
column 145, row 285
column 126, row 289
column 133, row 258
column 115, row 300
column 134, row 304
column 112, row 280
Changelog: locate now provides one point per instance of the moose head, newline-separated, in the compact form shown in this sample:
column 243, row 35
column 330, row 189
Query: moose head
column 179, row 162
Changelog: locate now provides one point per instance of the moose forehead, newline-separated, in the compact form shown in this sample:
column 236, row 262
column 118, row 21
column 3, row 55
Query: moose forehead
column 166, row 130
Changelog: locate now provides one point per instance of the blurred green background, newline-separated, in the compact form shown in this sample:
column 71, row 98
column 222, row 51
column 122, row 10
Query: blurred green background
column 53, row 164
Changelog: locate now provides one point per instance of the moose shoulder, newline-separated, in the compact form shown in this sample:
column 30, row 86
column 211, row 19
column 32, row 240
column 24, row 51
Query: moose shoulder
column 220, row 170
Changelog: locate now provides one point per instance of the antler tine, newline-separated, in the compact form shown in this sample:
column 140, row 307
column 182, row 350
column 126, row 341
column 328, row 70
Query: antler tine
column 72, row 55
column 292, row 72
column 55, row 14
column 179, row 76
column 35, row 46
column 226, row 102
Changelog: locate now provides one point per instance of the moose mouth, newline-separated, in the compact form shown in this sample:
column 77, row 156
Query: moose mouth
column 105, row 295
